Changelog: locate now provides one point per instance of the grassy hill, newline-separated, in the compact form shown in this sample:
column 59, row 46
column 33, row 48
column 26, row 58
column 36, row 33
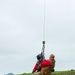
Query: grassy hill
column 71, row 72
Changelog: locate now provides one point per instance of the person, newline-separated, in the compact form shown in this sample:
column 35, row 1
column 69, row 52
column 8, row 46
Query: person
column 37, row 66
column 40, row 58
column 48, row 65
column 52, row 59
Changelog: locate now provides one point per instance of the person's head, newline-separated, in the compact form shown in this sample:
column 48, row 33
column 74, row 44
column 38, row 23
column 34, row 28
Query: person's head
column 52, row 56
column 39, row 57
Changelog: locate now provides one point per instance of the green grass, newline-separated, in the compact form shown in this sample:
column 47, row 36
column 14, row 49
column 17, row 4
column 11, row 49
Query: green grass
column 65, row 72
column 71, row 72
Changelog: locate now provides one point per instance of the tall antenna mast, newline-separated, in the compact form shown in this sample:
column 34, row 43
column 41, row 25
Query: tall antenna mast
column 44, row 21
column 43, row 48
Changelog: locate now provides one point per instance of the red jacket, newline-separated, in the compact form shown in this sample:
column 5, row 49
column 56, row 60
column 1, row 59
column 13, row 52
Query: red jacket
column 46, row 63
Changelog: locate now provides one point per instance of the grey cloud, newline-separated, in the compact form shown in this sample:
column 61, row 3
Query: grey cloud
column 21, row 33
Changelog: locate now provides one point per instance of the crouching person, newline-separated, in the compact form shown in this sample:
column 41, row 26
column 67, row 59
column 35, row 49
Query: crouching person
column 48, row 65
column 37, row 68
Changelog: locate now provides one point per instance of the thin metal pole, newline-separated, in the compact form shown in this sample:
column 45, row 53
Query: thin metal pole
column 44, row 20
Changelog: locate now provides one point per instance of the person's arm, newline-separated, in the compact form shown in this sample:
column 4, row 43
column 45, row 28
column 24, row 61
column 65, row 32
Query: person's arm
column 35, row 68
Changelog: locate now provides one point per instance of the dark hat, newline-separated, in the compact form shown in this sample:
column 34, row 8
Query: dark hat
column 38, row 56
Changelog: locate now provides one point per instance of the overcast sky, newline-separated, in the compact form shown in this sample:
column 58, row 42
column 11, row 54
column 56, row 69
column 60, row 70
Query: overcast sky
column 21, row 34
